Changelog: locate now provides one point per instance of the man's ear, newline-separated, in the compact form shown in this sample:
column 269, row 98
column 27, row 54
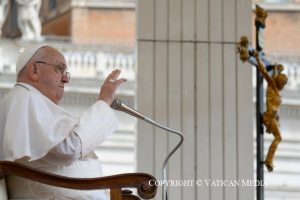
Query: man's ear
column 33, row 72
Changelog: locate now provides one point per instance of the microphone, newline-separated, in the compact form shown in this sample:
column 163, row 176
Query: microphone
column 117, row 104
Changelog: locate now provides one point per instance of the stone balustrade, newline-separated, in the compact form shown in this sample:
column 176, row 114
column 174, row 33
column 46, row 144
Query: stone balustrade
column 293, row 73
column 292, row 70
column 94, row 64
column 98, row 64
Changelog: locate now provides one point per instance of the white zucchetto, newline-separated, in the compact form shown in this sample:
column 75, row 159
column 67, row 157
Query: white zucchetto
column 26, row 55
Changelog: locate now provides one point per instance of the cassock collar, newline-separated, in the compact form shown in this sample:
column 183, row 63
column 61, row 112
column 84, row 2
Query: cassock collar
column 28, row 87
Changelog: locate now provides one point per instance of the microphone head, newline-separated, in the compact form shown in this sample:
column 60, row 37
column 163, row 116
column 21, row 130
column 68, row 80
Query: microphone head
column 116, row 104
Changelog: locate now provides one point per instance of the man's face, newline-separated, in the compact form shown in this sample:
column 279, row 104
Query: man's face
column 51, row 79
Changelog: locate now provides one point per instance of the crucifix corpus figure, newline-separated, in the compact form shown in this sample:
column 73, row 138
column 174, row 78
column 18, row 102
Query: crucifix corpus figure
column 275, row 83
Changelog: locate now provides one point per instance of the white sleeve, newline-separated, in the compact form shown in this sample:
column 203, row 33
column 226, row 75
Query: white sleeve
column 95, row 125
column 65, row 152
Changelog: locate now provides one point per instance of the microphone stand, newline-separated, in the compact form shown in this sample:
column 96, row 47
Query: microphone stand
column 119, row 105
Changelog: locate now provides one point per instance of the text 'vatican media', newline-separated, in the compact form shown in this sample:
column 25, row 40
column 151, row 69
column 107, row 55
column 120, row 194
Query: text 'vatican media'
column 208, row 183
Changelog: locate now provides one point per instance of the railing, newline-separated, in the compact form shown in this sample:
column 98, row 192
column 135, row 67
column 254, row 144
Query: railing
column 98, row 64
column 292, row 70
column 92, row 64
column 293, row 73
column 87, row 64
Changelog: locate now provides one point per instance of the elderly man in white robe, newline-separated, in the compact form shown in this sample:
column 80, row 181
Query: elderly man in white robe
column 35, row 131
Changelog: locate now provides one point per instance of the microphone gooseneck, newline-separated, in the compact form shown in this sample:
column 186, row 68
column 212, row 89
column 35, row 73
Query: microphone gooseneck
column 119, row 105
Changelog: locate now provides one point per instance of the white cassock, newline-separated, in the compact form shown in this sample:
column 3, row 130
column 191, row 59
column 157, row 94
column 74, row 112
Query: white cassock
column 38, row 133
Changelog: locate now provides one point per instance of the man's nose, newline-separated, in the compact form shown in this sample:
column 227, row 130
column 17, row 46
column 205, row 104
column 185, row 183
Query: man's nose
column 65, row 79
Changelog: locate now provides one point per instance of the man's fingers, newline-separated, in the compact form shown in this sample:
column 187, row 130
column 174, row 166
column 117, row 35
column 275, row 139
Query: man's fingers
column 115, row 74
column 120, row 81
column 113, row 78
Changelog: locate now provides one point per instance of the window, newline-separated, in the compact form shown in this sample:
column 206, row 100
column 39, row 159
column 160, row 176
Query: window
column 52, row 4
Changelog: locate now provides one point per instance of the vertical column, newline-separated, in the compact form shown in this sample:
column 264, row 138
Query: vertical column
column 230, row 98
column 145, row 90
column 188, row 69
column 216, row 119
column 230, row 122
column 160, row 106
column 174, row 20
column 198, row 88
column 244, row 94
column 202, row 22
column 145, row 19
column 188, row 118
column 175, row 115
column 145, row 132
column 203, row 145
column 203, row 137
column 161, row 20
column 215, row 20
column 188, row 20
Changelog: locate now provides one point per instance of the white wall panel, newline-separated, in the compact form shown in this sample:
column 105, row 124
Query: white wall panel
column 229, row 20
column 243, row 15
column 201, row 89
column 174, row 114
column 188, row 120
column 215, row 20
column 145, row 93
column 244, row 93
column 175, row 20
column 216, row 118
column 145, row 19
column 188, row 20
column 161, row 19
column 244, row 123
column 202, row 22
column 203, row 119
column 230, row 119
column 160, row 106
